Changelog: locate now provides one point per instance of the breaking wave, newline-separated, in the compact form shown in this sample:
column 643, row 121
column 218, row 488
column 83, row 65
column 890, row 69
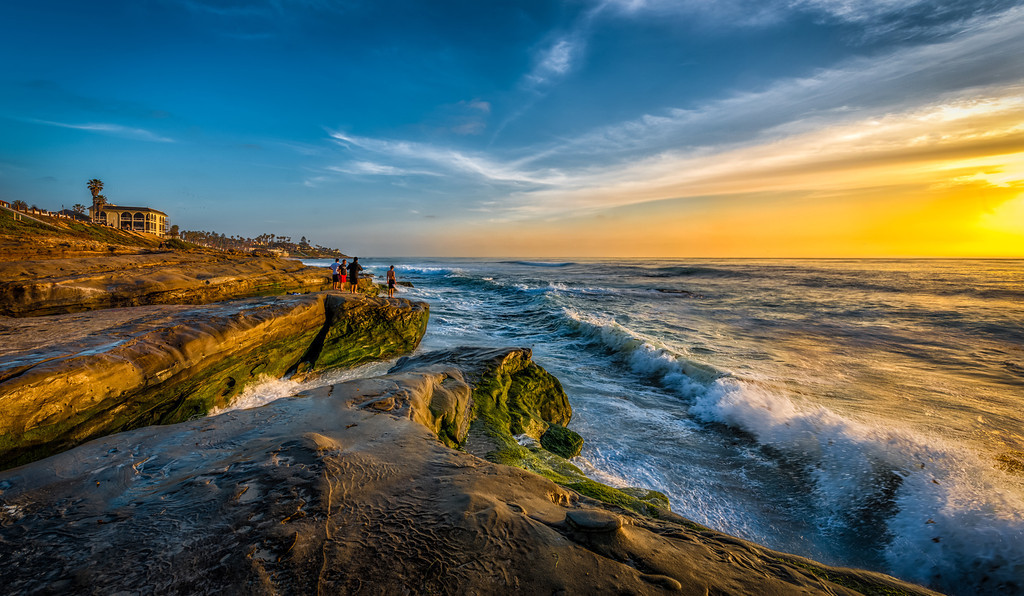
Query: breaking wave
column 951, row 519
column 948, row 517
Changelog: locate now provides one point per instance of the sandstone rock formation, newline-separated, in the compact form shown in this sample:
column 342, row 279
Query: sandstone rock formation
column 312, row 495
column 517, row 417
column 56, row 286
column 168, row 364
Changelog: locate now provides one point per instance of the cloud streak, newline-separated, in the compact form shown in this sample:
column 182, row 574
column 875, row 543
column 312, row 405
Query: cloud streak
column 898, row 114
column 111, row 129
column 874, row 18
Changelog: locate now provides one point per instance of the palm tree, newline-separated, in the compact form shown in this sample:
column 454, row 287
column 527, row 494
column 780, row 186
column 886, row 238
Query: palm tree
column 98, row 201
column 95, row 186
column 78, row 208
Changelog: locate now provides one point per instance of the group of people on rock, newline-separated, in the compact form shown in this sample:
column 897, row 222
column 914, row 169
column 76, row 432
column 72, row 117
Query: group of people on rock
column 343, row 273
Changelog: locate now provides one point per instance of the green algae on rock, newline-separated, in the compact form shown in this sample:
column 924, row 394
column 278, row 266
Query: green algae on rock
column 164, row 368
column 561, row 441
column 515, row 404
column 309, row 495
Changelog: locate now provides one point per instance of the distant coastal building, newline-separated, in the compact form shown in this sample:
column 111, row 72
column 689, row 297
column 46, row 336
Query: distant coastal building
column 136, row 219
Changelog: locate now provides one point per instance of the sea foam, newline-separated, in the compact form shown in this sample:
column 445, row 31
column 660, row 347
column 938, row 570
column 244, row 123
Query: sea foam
column 952, row 520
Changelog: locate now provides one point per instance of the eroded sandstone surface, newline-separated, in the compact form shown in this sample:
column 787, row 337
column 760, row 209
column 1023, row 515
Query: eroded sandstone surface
column 70, row 378
column 57, row 286
column 347, row 490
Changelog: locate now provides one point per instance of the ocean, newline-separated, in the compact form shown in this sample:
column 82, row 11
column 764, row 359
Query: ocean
column 864, row 413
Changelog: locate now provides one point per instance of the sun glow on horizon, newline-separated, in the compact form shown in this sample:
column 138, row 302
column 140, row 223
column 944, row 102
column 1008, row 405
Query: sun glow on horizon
column 943, row 180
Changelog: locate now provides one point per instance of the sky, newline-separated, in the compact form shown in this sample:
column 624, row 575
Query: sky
column 555, row 128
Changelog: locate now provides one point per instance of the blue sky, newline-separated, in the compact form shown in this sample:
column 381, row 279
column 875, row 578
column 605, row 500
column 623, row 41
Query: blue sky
column 576, row 128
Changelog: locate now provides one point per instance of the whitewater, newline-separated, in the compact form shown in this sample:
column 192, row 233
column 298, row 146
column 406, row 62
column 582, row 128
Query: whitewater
column 864, row 413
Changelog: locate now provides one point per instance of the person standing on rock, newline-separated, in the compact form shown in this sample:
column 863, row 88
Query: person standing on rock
column 353, row 274
column 342, row 271
column 335, row 275
column 391, row 282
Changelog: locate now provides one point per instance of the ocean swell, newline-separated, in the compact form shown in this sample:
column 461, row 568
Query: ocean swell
column 951, row 520
column 644, row 355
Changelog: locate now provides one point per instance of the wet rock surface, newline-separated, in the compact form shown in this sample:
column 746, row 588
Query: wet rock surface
column 315, row 494
column 67, row 379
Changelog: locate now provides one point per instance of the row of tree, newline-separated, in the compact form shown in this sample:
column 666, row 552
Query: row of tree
column 95, row 186
column 263, row 241
column 20, row 205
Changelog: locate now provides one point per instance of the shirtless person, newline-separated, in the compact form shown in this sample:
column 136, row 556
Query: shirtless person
column 391, row 282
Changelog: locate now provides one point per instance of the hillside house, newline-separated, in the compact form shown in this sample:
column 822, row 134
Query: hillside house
column 137, row 219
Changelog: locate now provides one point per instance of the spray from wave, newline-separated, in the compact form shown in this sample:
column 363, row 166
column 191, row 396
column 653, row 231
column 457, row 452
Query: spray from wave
column 268, row 389
column 939, row 513
column 950, row 520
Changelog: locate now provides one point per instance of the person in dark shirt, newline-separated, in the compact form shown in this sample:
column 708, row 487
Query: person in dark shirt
column 353, row 273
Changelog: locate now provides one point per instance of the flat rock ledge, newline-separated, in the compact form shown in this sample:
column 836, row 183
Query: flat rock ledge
column 67, row 379
column 347, row 490
column 58, row 286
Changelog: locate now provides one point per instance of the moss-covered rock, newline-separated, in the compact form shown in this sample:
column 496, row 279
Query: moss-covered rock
column 561, row 441
column 514, row 397
column 360, row 329
column 169, row 368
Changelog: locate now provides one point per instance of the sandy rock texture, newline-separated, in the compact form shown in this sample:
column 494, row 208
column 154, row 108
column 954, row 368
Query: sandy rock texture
column 345, row 491
column 66, row 379
column 57, row 286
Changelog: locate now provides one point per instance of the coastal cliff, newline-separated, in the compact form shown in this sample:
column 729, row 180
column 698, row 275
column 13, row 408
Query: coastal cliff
column 57, row 286
column 347, row 489
column 159, row 365
column 451, row 474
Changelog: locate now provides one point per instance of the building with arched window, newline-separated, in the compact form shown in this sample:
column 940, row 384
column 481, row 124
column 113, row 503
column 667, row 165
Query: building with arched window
column 136, row 219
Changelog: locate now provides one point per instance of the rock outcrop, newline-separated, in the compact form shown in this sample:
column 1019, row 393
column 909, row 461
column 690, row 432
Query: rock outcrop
column 57, row 286
column 310, row 495
column 169, row 364
column 514, row 413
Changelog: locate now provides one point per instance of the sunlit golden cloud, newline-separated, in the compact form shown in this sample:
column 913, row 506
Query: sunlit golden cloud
column 944, row 179
column 936, row 144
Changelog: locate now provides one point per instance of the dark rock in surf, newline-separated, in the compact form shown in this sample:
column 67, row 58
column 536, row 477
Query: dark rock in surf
column 561, row 441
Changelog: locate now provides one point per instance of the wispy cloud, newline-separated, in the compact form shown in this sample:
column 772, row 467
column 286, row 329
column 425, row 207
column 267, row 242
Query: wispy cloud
column 892, row 117
column 905, row 18
column 442, row 159
column 478, row 105
column 962, row 67
column 971, row 139
column 111, row 129
column 369, row 168
column 556, row 61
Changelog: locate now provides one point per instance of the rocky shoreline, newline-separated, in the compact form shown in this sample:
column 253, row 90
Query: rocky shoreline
column 449, row 474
